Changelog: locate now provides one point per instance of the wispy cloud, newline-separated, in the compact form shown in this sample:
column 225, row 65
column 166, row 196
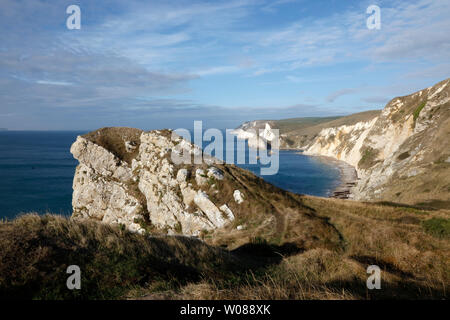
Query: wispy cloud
column 217, row 70
column 273, row 5
column 54, row 83
column 159, row 56
column 339, row 93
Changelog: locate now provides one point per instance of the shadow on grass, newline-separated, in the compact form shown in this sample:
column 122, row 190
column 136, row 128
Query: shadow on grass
column 269, row 253
column 389, row 290
column 435, row 204
column 421, row 206
column 386, row 266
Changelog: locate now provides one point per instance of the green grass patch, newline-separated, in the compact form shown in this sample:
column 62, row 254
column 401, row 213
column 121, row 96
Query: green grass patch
column 437, row 227
column 417, row 110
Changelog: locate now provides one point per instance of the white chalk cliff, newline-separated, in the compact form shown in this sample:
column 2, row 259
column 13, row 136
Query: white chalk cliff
column 394, row 143
column 149, row 188
column 409, row 138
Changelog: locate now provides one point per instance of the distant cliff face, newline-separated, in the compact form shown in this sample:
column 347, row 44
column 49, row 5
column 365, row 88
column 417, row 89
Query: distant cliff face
column 257, row 137
column 400, row 155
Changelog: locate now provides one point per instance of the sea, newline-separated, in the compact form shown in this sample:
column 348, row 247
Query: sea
column 37, row 168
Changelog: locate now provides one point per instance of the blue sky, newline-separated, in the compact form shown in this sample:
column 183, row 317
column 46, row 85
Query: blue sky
column 156, row 64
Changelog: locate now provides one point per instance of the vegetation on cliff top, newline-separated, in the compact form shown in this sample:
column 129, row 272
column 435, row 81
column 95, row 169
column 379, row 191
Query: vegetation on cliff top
column 405, row 241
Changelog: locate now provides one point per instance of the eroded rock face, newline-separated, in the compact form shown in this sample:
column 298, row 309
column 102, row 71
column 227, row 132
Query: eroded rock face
column 148, row 188
column 406, row 140
column 400, row 153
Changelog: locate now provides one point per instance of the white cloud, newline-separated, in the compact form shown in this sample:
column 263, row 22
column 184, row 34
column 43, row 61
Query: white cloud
column 217, row 70
column 339, row 93
column 54, row 83
column 273, row 5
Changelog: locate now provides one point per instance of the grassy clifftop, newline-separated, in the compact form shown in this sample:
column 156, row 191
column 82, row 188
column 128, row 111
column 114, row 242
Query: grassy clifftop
column 410, row 245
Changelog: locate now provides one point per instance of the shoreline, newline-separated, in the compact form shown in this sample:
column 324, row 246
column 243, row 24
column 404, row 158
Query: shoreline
column 348, row 177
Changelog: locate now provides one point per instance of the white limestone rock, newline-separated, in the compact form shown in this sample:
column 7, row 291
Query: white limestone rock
column 200, row 177
column 224, row 208
column 215, row 173
column 214, row 215
column 396, row 132
column 238, row 196
column 268, row 133
column 110, row 190
column 130, row 146
column 100, row 160
column 182, row 175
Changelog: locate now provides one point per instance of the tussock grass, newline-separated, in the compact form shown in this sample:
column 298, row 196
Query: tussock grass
column 113, row 139
column 414, row 264
column 272, row 259
column 35, row 252
column 269, row 213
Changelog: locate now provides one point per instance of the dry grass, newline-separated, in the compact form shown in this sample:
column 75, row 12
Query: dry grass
column 269, row 213
column 415, row 264
column 35, row 251
column 113, row 139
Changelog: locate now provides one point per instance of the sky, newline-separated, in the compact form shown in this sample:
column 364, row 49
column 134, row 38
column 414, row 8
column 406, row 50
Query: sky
column 164, row 64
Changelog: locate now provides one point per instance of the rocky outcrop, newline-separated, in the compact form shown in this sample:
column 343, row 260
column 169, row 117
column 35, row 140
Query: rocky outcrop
column 133, row 179
column 147, row 189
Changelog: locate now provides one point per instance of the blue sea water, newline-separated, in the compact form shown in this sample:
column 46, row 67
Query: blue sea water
column 302, row 174
column 36, row 172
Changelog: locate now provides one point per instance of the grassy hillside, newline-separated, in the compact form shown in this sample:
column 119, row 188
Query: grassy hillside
column 410, row 245
column 288, row 125
column 35, row 252
column 300, row 133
